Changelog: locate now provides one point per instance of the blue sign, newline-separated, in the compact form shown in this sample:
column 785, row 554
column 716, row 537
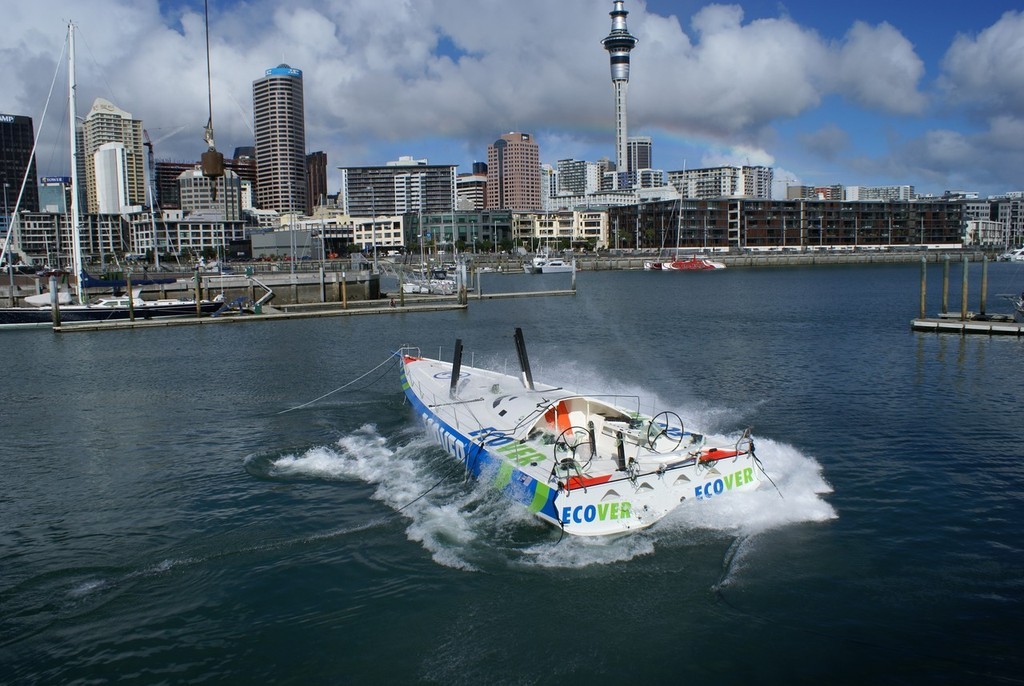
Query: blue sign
column 56, row 179
column 283, row 70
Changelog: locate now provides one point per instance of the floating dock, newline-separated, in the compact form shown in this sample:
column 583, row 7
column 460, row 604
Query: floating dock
column 964, row 322
column 992, row 327
column 270, row 314
column 409, row 304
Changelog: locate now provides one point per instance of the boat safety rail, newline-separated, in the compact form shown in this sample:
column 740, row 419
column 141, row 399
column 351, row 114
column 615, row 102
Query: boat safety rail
column 409, row 351
column 745, row 444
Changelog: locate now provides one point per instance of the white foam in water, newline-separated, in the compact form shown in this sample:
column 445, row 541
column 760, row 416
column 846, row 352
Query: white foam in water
column 466, row 525
column 799, row 484
column 428, row 492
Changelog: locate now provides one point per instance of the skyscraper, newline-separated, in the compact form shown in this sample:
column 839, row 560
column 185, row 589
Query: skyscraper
column 279, row 118
column 513, row 173
column 16, row 140
column 316, row 175
column 618, row 43
column 403, row 185
column 107, row 123
column 639, row 153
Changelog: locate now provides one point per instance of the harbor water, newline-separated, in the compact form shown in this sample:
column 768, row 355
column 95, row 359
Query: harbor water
column 255, row 503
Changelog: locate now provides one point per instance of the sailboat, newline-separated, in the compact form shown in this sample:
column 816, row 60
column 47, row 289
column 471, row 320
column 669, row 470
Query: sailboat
column 36, row 313
column 683, row 264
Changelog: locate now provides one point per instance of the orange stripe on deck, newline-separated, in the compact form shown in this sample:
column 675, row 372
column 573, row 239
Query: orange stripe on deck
column 557, row 417
column 575, row 482
column 715, row 454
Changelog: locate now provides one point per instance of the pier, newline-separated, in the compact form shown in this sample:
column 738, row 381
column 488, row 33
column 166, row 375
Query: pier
column 964, row 322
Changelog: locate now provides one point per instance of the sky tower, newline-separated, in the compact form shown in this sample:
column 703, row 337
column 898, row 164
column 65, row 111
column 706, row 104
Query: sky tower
column 618, row 43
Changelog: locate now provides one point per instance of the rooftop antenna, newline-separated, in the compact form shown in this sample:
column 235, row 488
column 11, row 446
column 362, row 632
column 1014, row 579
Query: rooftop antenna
column 212, row 162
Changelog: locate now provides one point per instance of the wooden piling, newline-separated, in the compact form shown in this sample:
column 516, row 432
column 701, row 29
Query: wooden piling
column 945, row 284
column 924, row 281
column 199, row 291
column 131, row 296
column 984, row 284
column 963, row 292
column 55, row 301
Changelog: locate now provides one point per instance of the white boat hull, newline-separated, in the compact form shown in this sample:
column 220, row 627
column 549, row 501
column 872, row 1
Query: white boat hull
column 580, row 463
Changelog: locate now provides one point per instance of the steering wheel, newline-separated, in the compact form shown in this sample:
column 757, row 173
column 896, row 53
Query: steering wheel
column 576, row 441
column 665, row 424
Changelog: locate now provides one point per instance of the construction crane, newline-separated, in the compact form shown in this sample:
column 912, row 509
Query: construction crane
column 151, row 186
column 149, row 143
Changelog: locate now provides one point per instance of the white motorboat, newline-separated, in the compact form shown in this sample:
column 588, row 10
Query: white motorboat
column 591, row 465
column 1012, row 255
column 544, row 263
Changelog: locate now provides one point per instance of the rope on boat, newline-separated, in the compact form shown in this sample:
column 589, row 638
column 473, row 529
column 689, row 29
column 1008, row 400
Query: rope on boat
column 749, row 440
column 391, row 358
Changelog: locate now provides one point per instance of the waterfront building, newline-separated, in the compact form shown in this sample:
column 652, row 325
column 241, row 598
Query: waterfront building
column 758, row 225
column 55, row 194
column 619, row 43
column 471, row 190
column 106, row 123
column 168, row 173
column 647, row 178
column 316, row 176
column 561, row 229
column 723, row 182
column 513, row 173
column 244, row 164
column 628, row 196
column 17, row 138
column 46, row 238
column 1009, row 212
column 110, row 169
column 280, row 129
column 984, row 233
column 865, row 193
column 203, row 233
column 481, row 230
column 196, row 194
column 639, row 153
column 578, row 177
column 404, row 185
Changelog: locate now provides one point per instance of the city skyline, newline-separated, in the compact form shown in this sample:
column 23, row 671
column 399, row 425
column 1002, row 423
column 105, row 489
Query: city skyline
column 864, row 94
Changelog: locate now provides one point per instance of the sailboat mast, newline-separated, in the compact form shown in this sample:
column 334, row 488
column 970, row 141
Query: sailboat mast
column 76, row 234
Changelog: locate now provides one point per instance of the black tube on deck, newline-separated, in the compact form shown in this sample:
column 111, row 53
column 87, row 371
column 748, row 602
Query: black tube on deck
column 456, row 367
column 524, row 361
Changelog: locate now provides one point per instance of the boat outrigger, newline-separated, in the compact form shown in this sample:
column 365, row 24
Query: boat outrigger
column 583, row 463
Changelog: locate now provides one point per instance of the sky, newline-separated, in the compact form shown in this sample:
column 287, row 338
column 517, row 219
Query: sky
column 929, row 94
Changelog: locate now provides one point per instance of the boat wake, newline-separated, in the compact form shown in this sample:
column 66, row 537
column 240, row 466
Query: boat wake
column 467, row 525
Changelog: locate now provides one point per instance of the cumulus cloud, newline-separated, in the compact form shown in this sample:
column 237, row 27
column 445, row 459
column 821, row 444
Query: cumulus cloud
column 878, row 68
column 734, row 79
column 380, row 74
column 987, row 70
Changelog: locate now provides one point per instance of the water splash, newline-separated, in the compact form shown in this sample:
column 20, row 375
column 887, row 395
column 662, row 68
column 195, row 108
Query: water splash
column 467, row 525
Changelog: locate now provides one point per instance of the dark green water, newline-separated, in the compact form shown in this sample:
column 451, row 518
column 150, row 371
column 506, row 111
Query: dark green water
column 163, row 519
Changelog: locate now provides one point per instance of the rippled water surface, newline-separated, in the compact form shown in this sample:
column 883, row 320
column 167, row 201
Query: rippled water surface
column 173, row 509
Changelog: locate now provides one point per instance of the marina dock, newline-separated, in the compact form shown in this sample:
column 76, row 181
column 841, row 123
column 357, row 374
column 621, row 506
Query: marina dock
column 963, row 322
column 270, row 314
column 407, row 305
column 991, row 327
